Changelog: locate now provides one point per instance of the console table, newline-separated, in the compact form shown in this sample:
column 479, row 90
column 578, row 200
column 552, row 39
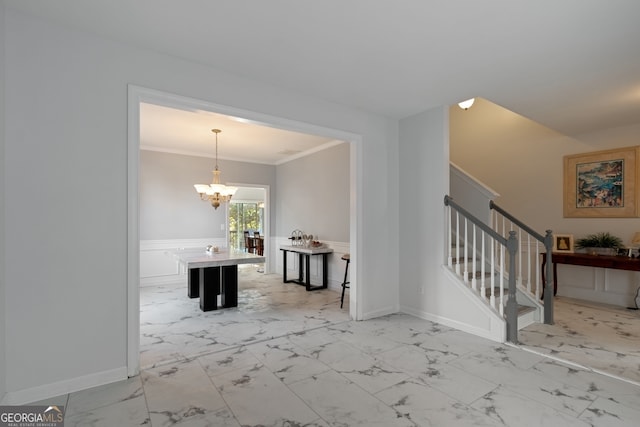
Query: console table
column 601, row 261
column 304, row 257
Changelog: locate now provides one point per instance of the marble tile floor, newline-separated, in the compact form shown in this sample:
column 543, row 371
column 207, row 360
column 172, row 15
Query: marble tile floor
column 396, row 370
column 602, row 337
column 173, row 328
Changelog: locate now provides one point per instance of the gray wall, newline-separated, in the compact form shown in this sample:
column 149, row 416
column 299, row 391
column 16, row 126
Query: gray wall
column 313, row 195
column 66, row 100
column 170, row 208
column 3, row 311
column 310, row 193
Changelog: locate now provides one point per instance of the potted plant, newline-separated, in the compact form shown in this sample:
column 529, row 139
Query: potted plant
column 600, row 244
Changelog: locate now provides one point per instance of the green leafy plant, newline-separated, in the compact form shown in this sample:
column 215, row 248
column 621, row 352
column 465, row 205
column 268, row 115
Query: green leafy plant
column 599, row 240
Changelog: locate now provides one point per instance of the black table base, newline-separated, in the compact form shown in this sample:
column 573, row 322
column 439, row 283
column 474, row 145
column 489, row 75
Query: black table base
column 209, row 282
column 304, row 262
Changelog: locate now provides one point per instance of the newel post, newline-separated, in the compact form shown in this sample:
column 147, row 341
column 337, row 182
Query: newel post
column 548, row 285
column 512, row 305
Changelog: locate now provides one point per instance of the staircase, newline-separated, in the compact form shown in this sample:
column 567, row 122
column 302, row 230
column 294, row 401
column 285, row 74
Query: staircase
column 499, row 264
column 482, row 282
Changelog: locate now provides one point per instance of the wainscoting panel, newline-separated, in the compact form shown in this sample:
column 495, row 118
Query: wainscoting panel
column 603, row 285
column 157, row 265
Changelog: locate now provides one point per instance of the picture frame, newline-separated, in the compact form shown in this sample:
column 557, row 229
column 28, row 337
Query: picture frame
column 602, row 184
column 563, row 243
column 626, row 252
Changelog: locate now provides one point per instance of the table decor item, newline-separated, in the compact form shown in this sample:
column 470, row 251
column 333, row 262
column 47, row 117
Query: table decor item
column 296, row 238
column 563, row 243
column 602, row 243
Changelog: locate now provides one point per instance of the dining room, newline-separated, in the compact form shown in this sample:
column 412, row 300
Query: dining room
column 271, row 200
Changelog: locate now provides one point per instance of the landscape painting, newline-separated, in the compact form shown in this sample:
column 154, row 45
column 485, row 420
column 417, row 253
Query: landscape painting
column 601, row 184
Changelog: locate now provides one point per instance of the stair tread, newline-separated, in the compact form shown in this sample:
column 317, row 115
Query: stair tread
column 523, row 309
column 461, row 260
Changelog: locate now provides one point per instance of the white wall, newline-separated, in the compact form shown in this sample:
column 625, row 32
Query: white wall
column 523, row 162
column 424, row 181
column 470, row 193
column 3, row 311
column 313, row 195
column 426, row 290
column 66, row 195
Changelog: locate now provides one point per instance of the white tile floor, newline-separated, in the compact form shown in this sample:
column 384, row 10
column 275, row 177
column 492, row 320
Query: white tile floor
column 602, row 337
column 286, row 357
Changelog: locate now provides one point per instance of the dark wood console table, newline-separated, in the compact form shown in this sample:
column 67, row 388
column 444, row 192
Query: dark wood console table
column 601, row 261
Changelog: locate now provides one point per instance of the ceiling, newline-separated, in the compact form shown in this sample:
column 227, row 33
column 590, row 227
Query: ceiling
column 571, row 65
column 188, row 131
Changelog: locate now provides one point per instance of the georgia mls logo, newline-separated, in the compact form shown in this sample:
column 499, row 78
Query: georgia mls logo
column 55, row 412
column 32, row 416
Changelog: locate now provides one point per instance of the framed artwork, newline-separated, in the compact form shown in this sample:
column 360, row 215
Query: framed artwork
column 602, row 184
column 563, row 243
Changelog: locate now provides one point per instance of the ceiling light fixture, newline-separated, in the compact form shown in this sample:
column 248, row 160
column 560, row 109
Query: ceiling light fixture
column 465, row 105
column 215, row 192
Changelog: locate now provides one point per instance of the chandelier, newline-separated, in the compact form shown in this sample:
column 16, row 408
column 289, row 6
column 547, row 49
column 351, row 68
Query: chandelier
column 215, row 192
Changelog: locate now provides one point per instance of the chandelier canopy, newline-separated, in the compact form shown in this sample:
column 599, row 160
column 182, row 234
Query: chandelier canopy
column 215, row 192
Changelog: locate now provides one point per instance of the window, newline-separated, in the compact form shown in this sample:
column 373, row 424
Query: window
column 244, row 216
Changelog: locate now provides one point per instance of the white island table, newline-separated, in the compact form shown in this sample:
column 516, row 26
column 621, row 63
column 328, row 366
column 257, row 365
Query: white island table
column 210, row 274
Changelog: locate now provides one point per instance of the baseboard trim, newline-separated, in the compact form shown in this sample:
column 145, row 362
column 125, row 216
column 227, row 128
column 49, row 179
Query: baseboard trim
column 167, row 280
column 620, row 300
column 379, row 313
column 47, row 391
column 483, row 333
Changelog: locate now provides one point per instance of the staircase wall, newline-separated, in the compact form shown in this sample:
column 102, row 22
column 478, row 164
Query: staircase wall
column 426, row 289
column 459, row 308
column 469, row 192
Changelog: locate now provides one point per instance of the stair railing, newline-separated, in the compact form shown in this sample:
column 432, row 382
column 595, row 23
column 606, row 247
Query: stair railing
column 528, row 266
column 495, row 244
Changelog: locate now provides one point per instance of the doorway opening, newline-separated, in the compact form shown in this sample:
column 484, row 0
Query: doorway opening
column 246, row 213
column 138, row 96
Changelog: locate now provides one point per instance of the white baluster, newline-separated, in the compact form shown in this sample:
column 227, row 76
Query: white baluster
column 457, row 242
column 502, row 272
column 483, row 279
column 519, row 258
column 474, row 282
column 493, row 273
column 529, row 262
column 466, row 244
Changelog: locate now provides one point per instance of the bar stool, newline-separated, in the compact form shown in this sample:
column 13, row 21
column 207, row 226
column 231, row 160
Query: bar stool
column 347, row 258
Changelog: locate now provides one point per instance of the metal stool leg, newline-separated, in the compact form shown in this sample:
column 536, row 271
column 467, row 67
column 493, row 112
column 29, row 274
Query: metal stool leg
column 344, row 282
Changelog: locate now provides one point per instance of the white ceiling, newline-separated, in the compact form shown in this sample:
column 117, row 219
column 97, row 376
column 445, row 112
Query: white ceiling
column 571, row 65
column 185, row 131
